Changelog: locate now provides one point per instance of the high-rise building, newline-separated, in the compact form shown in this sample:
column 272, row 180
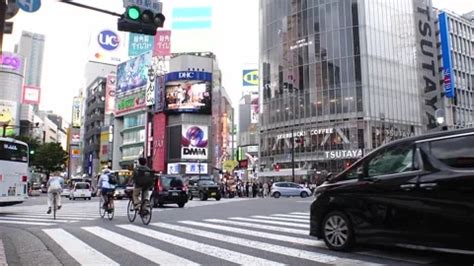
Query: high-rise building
column 338, row 79
column 457, row 53
column 31, row 47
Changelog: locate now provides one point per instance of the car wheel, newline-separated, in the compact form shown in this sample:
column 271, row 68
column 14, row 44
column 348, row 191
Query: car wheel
column 337, row 232
column 202, row 196
column 218, row 198
column 181, row 204
column 276, row 195
column 304, row 194
column 190, row 197
column 70, row 198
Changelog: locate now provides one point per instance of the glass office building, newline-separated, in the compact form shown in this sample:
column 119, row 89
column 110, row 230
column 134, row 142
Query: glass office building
column 338, row 77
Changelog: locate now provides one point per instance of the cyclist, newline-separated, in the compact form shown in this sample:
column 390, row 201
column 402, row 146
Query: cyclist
column 54, row 185
column 143, row 180
column 106, row 186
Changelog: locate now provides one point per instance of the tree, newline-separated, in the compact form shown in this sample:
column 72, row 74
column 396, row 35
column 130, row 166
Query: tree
column 33, row 144
column 50, row 157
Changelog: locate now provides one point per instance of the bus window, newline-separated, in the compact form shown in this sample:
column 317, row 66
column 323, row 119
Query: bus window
column 16, row 152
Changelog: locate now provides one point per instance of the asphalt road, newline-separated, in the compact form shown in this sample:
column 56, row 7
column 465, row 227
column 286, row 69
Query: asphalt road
column 226, row 232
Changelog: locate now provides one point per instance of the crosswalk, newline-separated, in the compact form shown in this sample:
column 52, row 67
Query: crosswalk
column 234, row 240
column 36, row 215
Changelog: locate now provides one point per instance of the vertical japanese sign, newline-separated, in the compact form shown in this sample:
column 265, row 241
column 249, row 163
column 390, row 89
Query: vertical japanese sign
column 139, row 44
column 448, row 78
column 254, row 109
column 159, row 93
column 162, row 43
column 76, row 112
column 110, row 94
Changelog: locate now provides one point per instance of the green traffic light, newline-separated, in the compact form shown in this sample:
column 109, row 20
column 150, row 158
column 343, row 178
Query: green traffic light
column 133, row 12
column 32, row 152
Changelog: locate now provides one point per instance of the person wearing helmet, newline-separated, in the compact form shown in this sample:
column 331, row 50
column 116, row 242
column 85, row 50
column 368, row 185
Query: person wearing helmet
column 105, row 185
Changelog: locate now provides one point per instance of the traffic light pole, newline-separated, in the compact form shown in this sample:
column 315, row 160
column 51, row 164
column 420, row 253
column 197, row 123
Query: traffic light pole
column 292, row 156
column 70, row 2
column 3, row 11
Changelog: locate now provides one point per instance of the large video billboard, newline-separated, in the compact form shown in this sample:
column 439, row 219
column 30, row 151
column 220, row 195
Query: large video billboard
column 188, row 91
column 133, row 74
column 195, row 142
column 8, row 117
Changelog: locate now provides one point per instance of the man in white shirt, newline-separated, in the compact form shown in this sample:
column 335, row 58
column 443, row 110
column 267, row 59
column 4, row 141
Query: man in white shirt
column 105, row 185
column 55, row 186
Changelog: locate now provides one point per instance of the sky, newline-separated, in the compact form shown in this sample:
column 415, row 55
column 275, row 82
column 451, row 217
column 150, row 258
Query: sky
column 233, row 38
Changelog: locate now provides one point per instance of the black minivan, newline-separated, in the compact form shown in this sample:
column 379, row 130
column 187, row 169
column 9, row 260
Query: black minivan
column 417, row 193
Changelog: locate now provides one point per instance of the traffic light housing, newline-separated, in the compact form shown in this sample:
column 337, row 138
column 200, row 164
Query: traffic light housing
column 139, row 20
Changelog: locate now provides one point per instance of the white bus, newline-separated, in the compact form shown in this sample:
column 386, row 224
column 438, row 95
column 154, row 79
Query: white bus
column 13, row 171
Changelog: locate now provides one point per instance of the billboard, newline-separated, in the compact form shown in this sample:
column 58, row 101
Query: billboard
column 133, row 74
column 188, row 91
column 159, row 93
column 31, row 95
column 191, row 18
column 194, row 142
column 76, row 112
column 8, row 116
column 448, row 77
column 250, row 77
column 104, row 145
column 162, row 43
column 108, row 46
column 11, row 62
column 139, row 44
column 191, row 168
column 254, row 109
column 159, row 137
column 130, row 103
column 110, row 94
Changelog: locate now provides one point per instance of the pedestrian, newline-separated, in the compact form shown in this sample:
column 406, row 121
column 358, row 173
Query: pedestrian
column 265, row 189
column 247, row 186
column 254, row 189
column 260, row 189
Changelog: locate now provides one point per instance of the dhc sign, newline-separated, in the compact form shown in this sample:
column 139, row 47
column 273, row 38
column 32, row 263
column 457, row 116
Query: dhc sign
column 448, row 80
column 188, row 75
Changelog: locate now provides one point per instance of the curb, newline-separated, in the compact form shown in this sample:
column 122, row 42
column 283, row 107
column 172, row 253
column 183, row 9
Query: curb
column 22, row 247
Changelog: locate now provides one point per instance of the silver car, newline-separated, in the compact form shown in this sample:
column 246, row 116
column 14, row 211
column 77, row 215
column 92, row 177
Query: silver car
column 289, row 189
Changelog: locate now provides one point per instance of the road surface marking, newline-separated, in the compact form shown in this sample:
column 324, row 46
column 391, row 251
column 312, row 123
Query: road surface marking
column 290, row 239
column 306, row 221
column 282, row 250
column 148, row 252
column 25, row 223
column 301, row 213
column 59, row 214
column 270, row 222
column 291, row 216
column 3, row 257
column 37, row 219
column 44, row 216
column 260, row 226
column 80, row 251
column 224, row 254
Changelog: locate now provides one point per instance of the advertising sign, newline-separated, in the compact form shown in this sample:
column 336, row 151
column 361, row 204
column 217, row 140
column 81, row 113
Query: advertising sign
column 8, row 113
column 75, row 152
column 130, row 103
column 104, row 145
column 110, row 94
column 250, row 77
column 150, row 92
column 108, row 47
column 29, row 6
column 159, row 94
column 139, row 44
column 190, row 18
column 343, row 154
column 76, row 112
column 159, row 136
column 188, row 91
column 133, row 74
column 191, row 168
column 31, row 95
column 448, row 76
column 162, row 43
column 254, row 109
column 194, row 143
column 10, row 61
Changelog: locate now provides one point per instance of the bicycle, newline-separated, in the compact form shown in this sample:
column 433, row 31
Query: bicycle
column 55, row 203
column 109, row 209
column 145, row 211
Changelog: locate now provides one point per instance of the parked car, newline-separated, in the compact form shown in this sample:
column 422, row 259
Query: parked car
column 417, row 192
column 289, row 189
column 203, row 187
column 169, row 189
column 81, row 190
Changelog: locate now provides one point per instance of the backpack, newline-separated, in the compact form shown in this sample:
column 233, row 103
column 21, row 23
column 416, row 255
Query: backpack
column 113, row 179
column 143, row 177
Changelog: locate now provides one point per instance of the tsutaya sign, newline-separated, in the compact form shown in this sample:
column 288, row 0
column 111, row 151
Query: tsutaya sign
column 343, row 154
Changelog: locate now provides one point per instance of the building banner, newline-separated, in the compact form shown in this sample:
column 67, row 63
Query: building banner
column 76, row 112
column 8, row 117
column 110, row 94
column 31, row 95
column 162, row 43
column 139, row 44
column 194, row 144
column 132, row 75
column 159, row 147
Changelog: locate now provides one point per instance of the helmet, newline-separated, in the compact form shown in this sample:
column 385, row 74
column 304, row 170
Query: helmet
column 105, row 171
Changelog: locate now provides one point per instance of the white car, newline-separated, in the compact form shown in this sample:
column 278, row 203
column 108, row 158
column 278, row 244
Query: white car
column 81, row 190
column 65, row 192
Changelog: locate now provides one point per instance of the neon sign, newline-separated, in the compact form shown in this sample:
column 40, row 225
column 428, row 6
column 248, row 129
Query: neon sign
column 10, row 61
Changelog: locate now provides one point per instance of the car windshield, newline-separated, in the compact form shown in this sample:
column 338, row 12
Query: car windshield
column 82, row 186
column 206, row 182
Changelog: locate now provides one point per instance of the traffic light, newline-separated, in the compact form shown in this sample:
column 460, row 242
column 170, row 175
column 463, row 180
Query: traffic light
column 142, row 20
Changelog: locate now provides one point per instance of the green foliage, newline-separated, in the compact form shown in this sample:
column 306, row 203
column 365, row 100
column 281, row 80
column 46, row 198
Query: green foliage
column 33, row 144
column 50, row 157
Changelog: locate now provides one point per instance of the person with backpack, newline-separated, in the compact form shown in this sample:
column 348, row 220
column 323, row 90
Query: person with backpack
column 143, row 179
column 106, row 184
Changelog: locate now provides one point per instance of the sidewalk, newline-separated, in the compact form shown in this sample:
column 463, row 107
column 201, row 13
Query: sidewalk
column 21, row 247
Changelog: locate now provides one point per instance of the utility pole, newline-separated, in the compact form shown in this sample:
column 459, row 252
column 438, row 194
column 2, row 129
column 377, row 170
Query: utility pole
column 3, row 11
column 292, row 155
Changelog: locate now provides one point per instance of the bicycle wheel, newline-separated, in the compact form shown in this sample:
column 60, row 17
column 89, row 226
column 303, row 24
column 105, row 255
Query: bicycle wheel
column 131, row 213
column 101, row 207
column 55, row 206
column 111, row 209
column 145, row 212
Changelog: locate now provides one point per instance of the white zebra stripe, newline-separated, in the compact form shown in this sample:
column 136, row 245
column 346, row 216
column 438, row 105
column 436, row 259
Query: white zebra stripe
column 270, row 222
column 306, row 221
column 261, row 226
